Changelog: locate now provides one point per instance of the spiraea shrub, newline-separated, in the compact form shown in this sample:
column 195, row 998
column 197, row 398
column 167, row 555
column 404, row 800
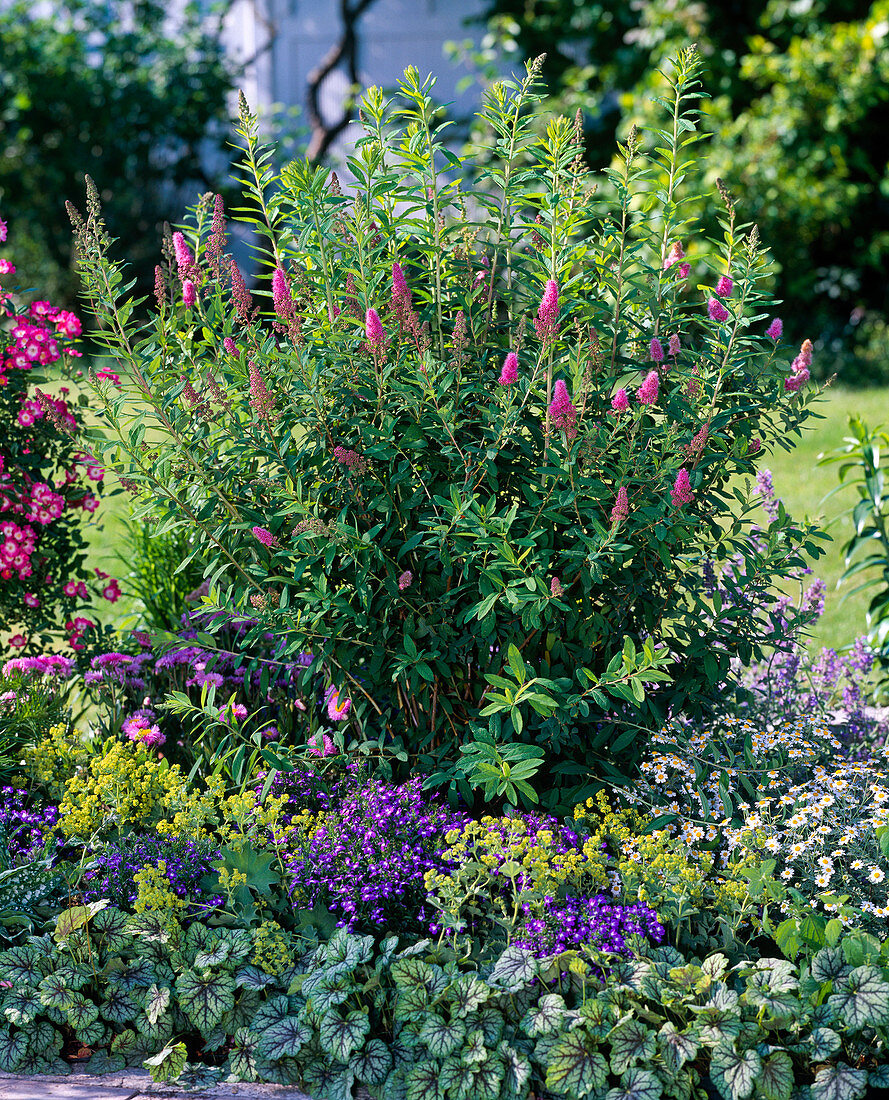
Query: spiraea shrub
column 475, row 454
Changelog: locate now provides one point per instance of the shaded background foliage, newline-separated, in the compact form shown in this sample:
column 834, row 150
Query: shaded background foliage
column 799, row 112
column 124, row 92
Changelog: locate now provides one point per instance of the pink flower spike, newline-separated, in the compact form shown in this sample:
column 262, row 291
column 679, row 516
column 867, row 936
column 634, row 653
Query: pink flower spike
column 264, row 536
column 717, row 310
column 674, row 346
column 189, row 294
column 548, row 311
column 683, row 271
column 281, row 296
column 724, row 287
column 510, row 373
column 2, row 231
column 401, row 294
column 620, row 402
column 796, row 381
column 562, row 412
column 405, row 580
column 675, row 254
column 373, row 329
column 657, row 350
column 555, row 587
column 647, row 393
column 621, row 508
column 681, row 492
column 184, row 256
column 775, row 329
column 231, row 347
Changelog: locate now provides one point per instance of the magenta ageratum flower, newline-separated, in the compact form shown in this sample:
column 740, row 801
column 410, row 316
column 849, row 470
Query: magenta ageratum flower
column 510, row 372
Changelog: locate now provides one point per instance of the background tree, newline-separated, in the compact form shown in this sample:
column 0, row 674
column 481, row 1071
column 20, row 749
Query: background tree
column 122, row 91
column 800, row 111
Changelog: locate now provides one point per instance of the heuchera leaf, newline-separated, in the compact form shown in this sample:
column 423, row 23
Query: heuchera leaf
column 168, row 1063
column 775, row 1081
column 372, row 1064
column 637, row 1084
column 205, row 999
column 284, row 1038
column 630, row 1043
column 12, row 1049
column 441, row 1037
column 515, row 968
column 863, row 998
column 839, row 1082
column 339, row 1035
column 545, row 1017
column 244, row 1055
column 424, row 1082
column 156, row 1002
column 823, row 1043
column 829, row 965
column 575, row 1069
column 734, row 1073
column 676, row 1048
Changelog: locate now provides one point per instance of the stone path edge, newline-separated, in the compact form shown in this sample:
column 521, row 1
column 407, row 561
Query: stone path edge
column 131, row 1085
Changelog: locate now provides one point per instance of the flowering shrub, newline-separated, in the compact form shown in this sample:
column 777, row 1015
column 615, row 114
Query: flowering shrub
column 449, row 436
column 48, row 485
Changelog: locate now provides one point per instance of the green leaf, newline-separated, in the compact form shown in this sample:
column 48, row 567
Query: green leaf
column 575, row 1069
column 424, row 1083
column 372, row 1064
column 244, row 1055
column 55, row 992
column 637, row 1084
column 102, row 1062
column 120, row 1007
column 23, row 966
column 21, row 1006
column 839, row 1082
column 775, row 1080
column 81, row 1012
column 440, row 1037
column 734, row 1072
column 284, row 1038
column 515, row 968
column 545, row 1017
column 863, row 999
column 205, row 999
column 822, row 1044
column 339, row 1036
column 168, row 1063
column 631, row 1042
column 676, row 1047
column 829, row 965
column 157, row 1001
column 13, row 1047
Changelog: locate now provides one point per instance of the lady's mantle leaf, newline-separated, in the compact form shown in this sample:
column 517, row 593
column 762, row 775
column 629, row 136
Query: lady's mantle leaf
column 775, row 1081
column 575, row 1069
column 637, row 1084
column 545, row 1017
column 441, row 1038
column 371, row 1065
column 205, row 999
column 339, row 1035
column 839, row 1082
column 863, row 999
column 515, row 968
column 630, row 1043
column 734, row 1074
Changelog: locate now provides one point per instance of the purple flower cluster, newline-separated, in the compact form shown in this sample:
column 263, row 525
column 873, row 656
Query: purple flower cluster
column 52, row 664
column 570, row 923
column 367, row 857
column 111, row 873
column 24, row 829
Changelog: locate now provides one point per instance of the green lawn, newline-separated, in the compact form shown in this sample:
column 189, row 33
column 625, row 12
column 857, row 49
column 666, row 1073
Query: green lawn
column 802, row 485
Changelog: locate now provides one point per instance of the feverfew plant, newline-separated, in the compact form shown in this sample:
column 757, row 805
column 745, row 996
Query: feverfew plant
column 49, row 485
column 464, row 427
